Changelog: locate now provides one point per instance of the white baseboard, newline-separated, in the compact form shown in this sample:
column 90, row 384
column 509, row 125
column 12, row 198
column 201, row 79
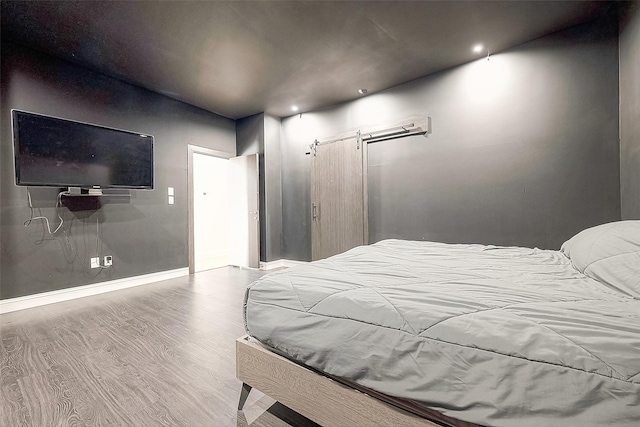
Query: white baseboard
column 293, row 263
column 271, row 265
column 37, row 300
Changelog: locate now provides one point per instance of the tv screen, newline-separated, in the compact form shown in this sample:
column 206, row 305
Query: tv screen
column 62, row 153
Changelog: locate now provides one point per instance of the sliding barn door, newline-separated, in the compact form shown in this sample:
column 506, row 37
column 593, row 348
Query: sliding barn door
column 338, row 197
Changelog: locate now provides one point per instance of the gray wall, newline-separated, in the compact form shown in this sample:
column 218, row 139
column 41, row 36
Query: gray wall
column 524, row 149
column 272, row 227
column 630, row 111
column 144, row 235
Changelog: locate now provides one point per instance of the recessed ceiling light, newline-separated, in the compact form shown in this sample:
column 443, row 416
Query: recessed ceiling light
column 294, row 108
column 478, row 48
column 362, row 91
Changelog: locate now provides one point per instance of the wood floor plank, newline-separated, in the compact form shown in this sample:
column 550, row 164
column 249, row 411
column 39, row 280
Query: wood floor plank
column 91, row 399
column 153, row 355
column 23, row 358
column 156, row 415
column 78, row 336
column 13, row 411
column 48, row 401
column 120, row 382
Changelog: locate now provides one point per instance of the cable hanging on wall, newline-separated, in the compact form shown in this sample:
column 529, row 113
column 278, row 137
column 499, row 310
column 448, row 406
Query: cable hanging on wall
column 44, row 218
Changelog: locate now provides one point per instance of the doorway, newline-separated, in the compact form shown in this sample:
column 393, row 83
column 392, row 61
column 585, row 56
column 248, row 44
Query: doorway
column 211, row 211
column 223, row 210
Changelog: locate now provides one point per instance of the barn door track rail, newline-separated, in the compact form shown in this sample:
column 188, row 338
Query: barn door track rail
column 419, row 125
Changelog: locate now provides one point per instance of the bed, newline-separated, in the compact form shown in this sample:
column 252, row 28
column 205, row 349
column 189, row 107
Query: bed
column 455, row 334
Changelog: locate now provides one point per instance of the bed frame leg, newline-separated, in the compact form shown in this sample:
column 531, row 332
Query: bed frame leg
column 244, row 393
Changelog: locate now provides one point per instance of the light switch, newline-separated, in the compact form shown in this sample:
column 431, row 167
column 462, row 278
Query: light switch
column 170, row 200
column 170, row 191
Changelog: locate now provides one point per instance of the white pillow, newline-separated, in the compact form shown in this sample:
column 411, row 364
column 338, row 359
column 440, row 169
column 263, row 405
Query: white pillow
column 609, row 253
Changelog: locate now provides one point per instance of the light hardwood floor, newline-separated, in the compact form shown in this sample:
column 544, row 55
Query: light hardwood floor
column 159, row 354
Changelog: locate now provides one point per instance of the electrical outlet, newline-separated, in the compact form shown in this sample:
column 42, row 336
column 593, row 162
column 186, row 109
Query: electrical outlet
column 107, row 261
column 95, row 262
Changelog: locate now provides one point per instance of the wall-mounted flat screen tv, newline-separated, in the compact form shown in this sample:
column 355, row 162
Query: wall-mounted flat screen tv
column 56, row 152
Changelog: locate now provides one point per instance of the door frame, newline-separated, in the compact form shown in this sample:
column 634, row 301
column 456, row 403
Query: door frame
column 194, row 149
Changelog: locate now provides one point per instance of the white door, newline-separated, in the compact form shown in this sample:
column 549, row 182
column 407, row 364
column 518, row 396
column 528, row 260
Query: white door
column 244, row 202
column 211, row 214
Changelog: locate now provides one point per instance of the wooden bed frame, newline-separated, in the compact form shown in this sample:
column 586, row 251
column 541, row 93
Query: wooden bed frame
column 317, row 397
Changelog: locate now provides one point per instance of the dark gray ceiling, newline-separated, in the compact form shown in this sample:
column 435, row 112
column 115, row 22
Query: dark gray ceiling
column 238, row 58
